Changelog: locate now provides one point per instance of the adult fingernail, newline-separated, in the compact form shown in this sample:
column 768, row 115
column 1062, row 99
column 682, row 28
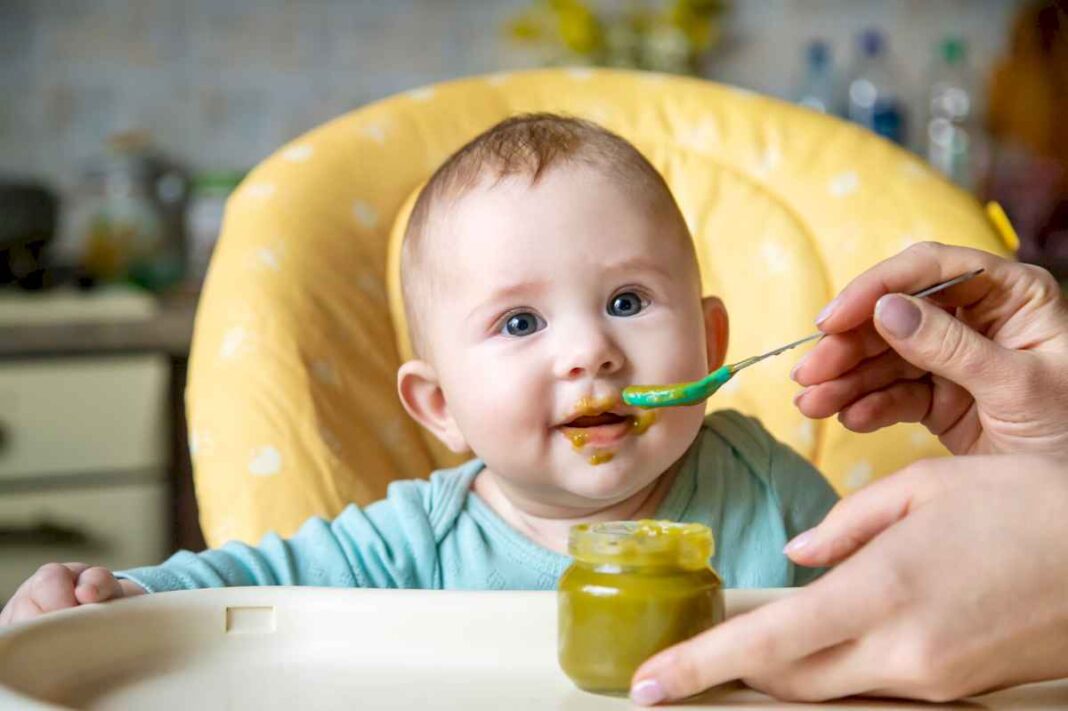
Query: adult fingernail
column 827, row 311
column 799, row 542
column 798, row 397
column 647, row 692
column 898, row 315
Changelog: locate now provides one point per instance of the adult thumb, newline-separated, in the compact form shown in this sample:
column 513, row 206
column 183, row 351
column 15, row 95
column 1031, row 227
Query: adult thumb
column 931, row 339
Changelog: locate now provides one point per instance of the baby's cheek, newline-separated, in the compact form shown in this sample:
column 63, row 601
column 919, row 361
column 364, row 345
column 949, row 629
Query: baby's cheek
column 688, row 362
column 674, row 431
column 501, row 409
column 653, row 362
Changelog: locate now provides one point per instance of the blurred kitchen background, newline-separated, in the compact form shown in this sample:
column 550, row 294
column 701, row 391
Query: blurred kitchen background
column 124, row 125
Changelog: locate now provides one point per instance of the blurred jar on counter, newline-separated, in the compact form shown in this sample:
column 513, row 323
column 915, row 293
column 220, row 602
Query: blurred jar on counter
column 207, row 203
column 817, row 88
column 128, row 215
column 874, row 90
column 953, row 140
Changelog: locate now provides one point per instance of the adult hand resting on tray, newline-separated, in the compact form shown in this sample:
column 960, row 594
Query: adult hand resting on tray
column 950, row 574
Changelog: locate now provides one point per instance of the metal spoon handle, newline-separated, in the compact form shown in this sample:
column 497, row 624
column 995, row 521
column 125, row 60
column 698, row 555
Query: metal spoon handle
column 934, row 289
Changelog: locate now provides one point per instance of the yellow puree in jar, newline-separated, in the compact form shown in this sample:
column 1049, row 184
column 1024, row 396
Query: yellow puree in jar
column 634, row 589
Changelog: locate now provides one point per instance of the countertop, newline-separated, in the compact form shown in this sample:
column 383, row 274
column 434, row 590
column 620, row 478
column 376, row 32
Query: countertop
column 108, row 322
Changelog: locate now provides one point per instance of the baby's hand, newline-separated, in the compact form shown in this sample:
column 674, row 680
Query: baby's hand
column 56, row 586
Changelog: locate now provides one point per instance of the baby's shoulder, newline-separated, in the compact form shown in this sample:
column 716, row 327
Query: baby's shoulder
column 753, row 445
column 745, row 435
column 440, row 497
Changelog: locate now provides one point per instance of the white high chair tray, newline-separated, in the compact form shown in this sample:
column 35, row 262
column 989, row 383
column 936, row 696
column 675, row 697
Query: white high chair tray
column 316, row 648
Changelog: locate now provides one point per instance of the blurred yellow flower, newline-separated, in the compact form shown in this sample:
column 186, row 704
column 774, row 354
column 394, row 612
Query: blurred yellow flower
column 665, row 35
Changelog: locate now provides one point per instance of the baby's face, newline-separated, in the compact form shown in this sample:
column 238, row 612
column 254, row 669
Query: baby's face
column 551, row 299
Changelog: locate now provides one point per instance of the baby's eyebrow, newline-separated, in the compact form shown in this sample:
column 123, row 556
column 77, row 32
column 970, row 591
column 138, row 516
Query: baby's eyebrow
column 638, row 263
column 509, row 292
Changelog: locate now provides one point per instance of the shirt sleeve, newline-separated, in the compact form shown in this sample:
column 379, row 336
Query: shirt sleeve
column 389, row 544
column 804, row 496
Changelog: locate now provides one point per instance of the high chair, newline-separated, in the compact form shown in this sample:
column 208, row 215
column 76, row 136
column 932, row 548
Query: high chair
column 291, row 397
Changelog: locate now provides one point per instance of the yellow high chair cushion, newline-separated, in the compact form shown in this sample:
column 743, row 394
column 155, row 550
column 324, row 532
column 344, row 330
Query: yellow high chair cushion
column 292, row 404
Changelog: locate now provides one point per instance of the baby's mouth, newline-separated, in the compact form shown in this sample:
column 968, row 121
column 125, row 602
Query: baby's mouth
column 605, row 418
column 597, row 423
column 601, row 430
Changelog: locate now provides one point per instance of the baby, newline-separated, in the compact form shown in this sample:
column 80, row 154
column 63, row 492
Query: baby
column 545, row 267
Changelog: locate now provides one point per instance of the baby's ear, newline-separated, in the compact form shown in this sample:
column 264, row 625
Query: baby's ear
column 717, row 331
column 420, row 393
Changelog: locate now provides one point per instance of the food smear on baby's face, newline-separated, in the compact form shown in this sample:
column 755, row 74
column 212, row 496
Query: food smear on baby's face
column 601, row 457
column 603, row 423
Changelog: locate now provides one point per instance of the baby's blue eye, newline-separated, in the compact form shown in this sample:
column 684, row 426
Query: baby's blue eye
column 522, row 324
column 626, row 304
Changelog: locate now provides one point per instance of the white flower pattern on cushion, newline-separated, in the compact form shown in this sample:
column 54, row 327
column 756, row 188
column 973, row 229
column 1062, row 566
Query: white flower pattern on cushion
column 844, row 184
column 702, row 136
column 600, row 114
column 920, row 437
column 921, row 233
column 265, row 461
column 201, row 442
column 269, row 258
column 298, row 153
column 859, row 475
column 366, row 214
column 324, row 372
column 234, row 342
column 260, row 190
column 425, row 93
column 775, row 257
column 331, row 440
column 372, row 285
column 375, row 131
column 391, row 433
column 769, row 160
column 915, row 170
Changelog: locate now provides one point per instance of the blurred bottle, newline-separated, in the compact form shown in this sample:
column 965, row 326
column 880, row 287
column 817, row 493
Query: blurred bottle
column 128, row 214
column 817, row 89
column 953, row 141
column 207, row 203
column 874, row 95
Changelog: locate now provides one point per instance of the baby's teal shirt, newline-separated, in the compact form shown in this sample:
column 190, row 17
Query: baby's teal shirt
column 754, row 492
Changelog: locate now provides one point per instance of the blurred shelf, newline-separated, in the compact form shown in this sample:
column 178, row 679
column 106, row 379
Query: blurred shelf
column 116, row 321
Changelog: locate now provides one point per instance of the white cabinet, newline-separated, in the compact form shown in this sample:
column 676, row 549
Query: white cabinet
column 83, row 462
column 117, row 525
column 83, row 416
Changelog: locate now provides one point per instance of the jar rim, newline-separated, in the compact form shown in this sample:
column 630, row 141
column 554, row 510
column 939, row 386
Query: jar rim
column 642, row 544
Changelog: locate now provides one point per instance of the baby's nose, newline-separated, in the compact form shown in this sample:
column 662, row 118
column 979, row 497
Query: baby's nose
column 595, row 355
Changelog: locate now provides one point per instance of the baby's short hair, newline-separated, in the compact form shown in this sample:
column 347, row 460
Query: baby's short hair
column 525, row 145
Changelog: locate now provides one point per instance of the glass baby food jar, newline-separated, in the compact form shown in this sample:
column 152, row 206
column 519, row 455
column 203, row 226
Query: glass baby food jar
column 634, row 589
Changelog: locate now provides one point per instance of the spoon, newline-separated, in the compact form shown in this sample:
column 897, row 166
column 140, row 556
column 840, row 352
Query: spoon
column 677, row 394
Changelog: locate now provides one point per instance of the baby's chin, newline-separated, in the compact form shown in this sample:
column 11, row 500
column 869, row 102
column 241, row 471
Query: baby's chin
column 607, row 482
column 588, row 476
column 613, row 472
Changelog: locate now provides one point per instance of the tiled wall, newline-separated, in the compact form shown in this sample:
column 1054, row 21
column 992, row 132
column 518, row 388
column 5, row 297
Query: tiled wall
column 220, row 83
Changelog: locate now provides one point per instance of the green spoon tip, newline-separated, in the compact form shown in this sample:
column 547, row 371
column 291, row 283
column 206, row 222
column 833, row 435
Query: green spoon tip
column 677, row 394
